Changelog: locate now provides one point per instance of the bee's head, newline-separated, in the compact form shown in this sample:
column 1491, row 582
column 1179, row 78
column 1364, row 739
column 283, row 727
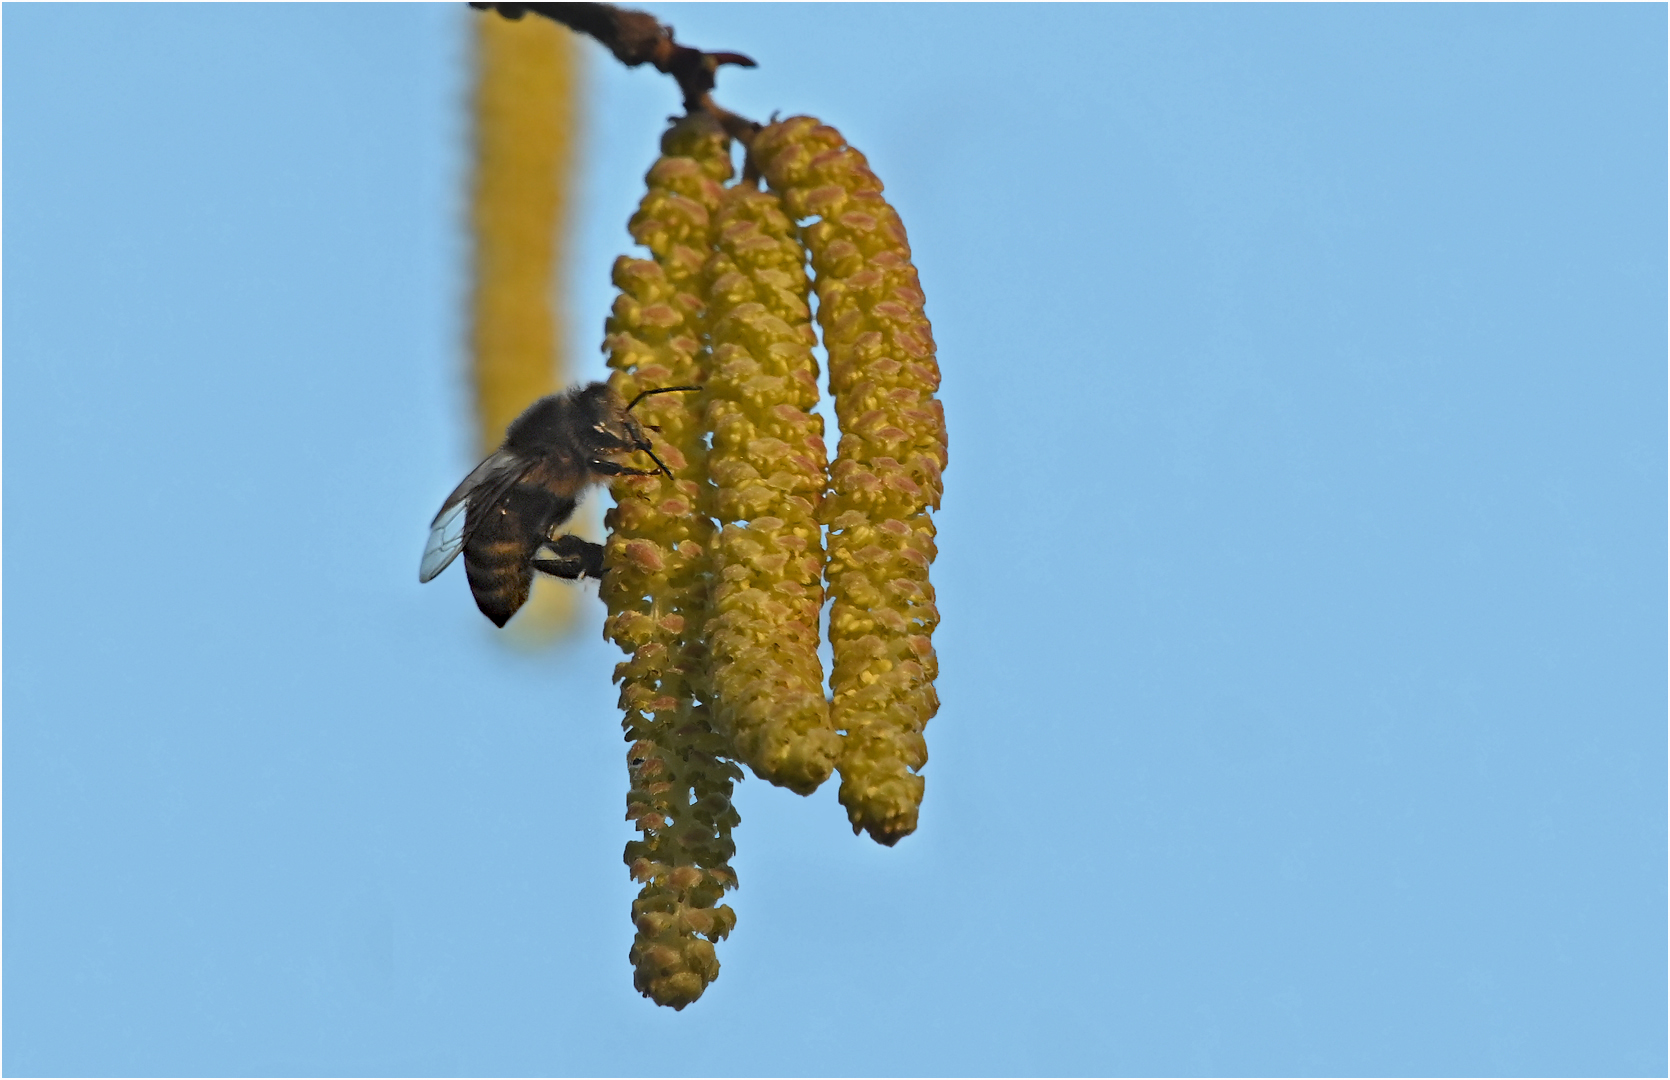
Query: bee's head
column 604, row 422
column 610, row 426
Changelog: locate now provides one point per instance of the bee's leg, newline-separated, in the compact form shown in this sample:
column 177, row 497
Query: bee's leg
column 569, row 557
column 609, row 468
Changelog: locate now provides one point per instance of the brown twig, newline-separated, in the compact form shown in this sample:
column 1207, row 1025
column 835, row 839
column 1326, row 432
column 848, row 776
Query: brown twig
column 637, row 37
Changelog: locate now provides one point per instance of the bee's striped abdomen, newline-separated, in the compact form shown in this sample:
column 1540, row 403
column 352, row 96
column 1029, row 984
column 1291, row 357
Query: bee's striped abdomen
column 497, row 555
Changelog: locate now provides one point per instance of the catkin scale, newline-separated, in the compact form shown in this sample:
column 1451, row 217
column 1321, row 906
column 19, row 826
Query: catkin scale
column 768, row 463
column 656, row 582
column 887, row 474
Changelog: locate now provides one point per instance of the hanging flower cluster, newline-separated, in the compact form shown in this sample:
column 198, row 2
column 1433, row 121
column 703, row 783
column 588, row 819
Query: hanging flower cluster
column 886, row 474
column 658, row 559
column 771, row 469
column 722, row 624
column 718, row 564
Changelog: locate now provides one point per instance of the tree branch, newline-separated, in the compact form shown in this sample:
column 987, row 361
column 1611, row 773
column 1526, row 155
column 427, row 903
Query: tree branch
column 637, row 37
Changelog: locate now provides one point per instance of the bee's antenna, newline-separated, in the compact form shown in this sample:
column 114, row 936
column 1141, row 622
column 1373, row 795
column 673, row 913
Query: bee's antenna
column 645, row 445
column 657, row 460
column 663, row 390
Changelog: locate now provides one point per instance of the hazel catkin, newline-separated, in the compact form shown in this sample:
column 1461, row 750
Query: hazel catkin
column 656, row 581
column 769, row 466
column 886, row 477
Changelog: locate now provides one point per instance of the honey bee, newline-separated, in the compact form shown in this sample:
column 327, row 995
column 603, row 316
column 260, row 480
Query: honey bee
column 503, row 516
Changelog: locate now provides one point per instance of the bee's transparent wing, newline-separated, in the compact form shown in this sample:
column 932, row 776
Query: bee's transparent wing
column 486, row 485
column 446, row 540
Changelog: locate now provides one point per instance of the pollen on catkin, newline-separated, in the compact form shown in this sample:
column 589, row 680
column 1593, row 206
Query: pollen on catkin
column 656, row 581
column 770, row 471
column 886, row 477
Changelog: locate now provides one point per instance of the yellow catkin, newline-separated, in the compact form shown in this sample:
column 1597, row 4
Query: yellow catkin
column 770, row 469
column 886, row 476
column 656, row 582
column 524, row 143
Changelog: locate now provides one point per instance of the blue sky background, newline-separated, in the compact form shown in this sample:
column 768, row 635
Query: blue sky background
column 1303, row 558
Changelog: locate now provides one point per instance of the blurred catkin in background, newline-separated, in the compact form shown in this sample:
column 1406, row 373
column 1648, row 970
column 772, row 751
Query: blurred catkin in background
column 525, row 134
